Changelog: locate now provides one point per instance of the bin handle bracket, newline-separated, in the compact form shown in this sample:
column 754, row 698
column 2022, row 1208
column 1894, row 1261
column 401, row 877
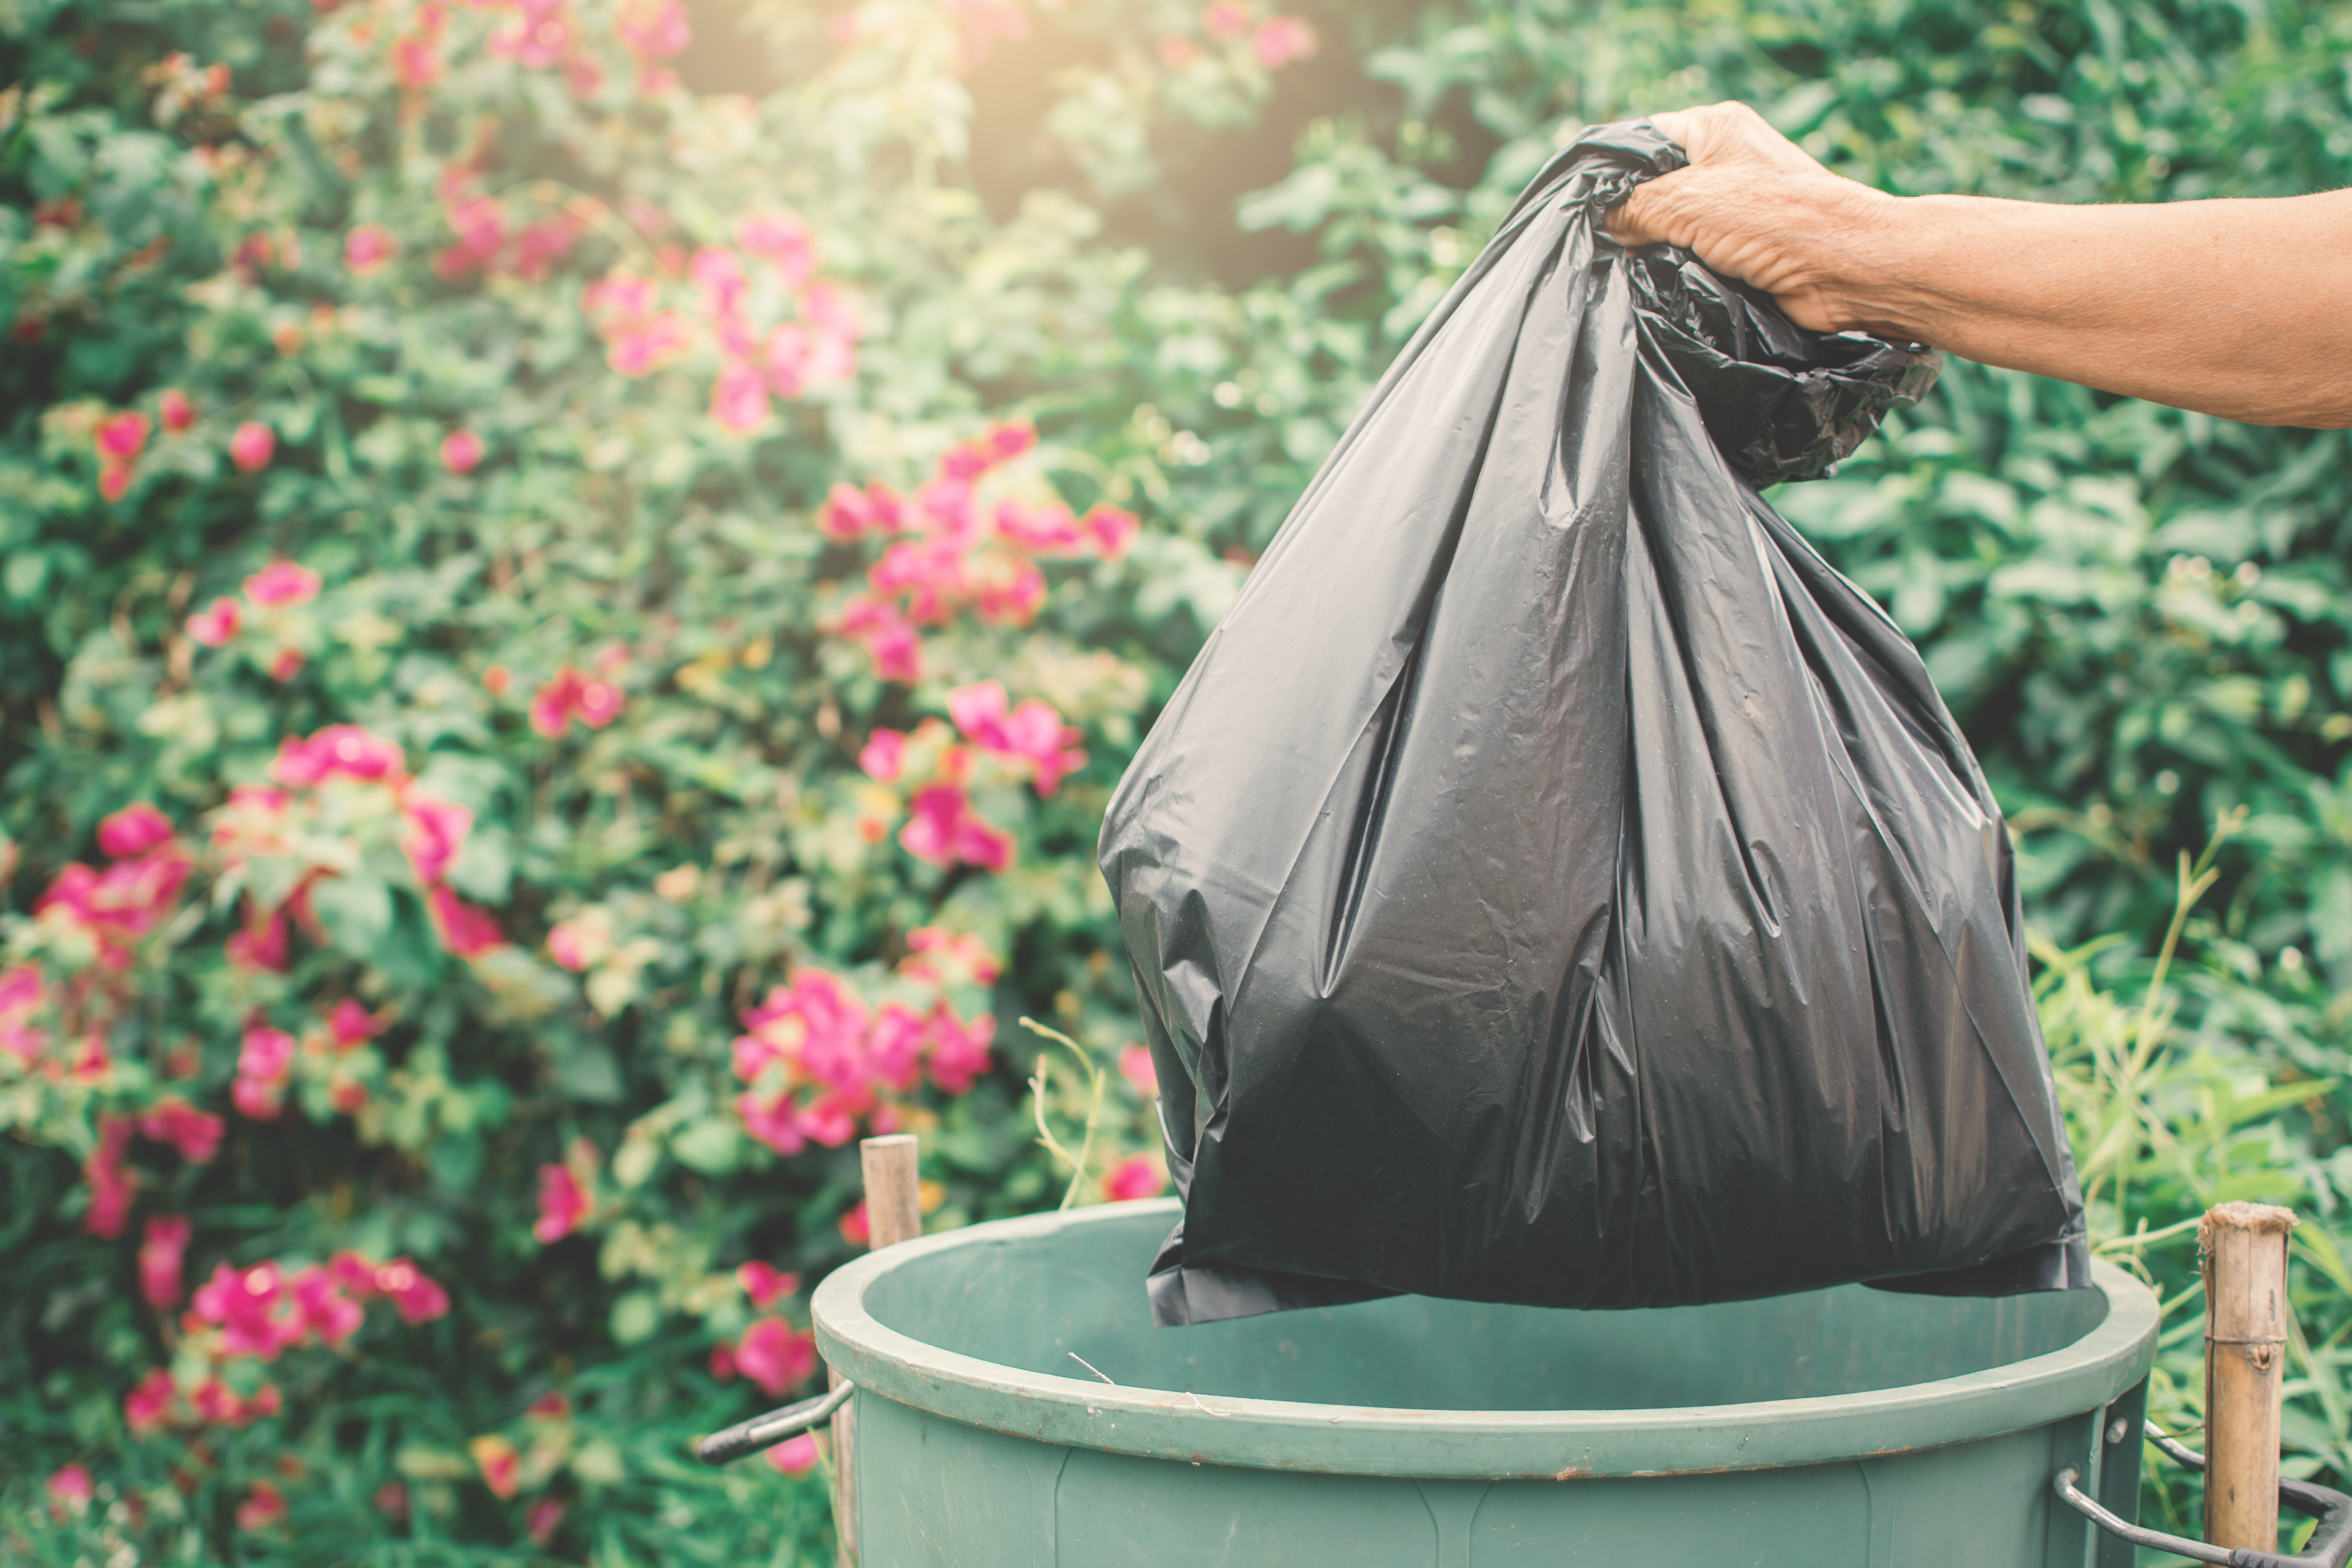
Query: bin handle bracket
column 767, row 1431
column 2330, row 1545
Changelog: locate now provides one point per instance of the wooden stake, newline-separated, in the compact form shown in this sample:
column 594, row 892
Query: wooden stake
column 2243, row 1247
column 893, row 1212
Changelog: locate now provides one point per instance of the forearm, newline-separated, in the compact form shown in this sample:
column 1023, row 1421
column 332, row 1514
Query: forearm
column 2241, row 308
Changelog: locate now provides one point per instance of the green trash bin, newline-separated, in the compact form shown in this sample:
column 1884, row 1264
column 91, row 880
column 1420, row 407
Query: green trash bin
column 1843, row 1428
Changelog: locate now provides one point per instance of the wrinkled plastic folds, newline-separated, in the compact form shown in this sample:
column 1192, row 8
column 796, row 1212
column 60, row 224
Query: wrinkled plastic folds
column 1553, row 883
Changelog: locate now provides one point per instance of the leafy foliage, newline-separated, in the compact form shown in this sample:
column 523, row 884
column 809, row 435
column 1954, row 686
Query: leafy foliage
column 563, row 638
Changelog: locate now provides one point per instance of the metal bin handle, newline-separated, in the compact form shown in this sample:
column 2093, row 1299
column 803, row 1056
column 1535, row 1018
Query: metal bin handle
column 767, row 1431
column 2330, row 1545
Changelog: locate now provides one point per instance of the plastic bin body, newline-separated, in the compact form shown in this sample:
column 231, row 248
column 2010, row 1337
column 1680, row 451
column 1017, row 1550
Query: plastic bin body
column 1845, row 1428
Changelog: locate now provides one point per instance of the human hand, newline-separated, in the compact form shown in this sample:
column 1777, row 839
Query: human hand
column 1753, row 206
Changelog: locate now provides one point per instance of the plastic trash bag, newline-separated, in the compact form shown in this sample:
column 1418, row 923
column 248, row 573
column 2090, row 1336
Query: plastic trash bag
column 1553, row 883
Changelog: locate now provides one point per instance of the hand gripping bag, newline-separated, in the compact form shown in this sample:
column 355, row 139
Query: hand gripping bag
column 1552, row 883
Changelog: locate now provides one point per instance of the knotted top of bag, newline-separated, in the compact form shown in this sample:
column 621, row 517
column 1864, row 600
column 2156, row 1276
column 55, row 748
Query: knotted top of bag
column 1782, row 403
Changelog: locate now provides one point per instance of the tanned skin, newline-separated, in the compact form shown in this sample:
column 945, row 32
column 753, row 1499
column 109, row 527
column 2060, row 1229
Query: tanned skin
column 2241, row 308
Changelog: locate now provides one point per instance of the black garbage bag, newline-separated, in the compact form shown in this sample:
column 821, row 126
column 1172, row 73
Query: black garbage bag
column 1553, row 883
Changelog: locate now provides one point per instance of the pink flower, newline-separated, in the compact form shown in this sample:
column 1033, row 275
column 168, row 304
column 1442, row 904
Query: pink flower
column 251, row 446
column 896, row 649
column 561, row 1203
column 540, row 246
column 794, row 1456
column 739, row 399
column 481, row 226
column 259, row 1099
column 1177, row 52
column 848, row 511
column 267, row 1053
column 550, row 1406
column 133, row 830
column 416, row 63
column 280, row 582
column 215, row 625
column 1282, row 40
column 571, row 695
column 467, row 931
column 149, row 1404
column 251, row 1308
column 1224, row 19
column 639, row 350
column 1110, row 529
column 1042, row 530
column 461, row 452
column 215, row 1404
column 502, row 1467
column 958, row 1051
column 174, row 409
column 722, row 1361
column 1136, row 1176
column 287, row 663
column 367, row 248
column 765, row 1285
column 20, row 996
column 111, row 1187
column 780, row 238
column 196, row 1134
column 1135, row 1065
column 71, row 1488
column 113, row 482
column 121, row 437
column 652, row 29
column 884, row 754
column 339, row 751
column 576, row 944
column 545, row 1515
column 351, row 1024
column 264, row 1505
column 418, row 1299
column 775, row 1356
column 718, row 272
column 855, row 1228
column 160, row 1252
column 774, row 1119
column 437, row 830
column 943, row 828
column 259, row 947
column 1034, row 732
column 321, row 1307
column 945, row 957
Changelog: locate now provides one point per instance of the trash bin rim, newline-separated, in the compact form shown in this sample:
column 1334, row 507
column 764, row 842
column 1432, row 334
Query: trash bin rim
column 1548, row 1445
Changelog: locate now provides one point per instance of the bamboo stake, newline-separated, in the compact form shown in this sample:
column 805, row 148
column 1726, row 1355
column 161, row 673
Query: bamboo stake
column 2243, row 1247
column 893, row 1212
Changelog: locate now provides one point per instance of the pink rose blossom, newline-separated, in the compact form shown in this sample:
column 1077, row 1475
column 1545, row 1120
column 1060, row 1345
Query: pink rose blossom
column 160, row 1252
column 774, row 1119
column 217, row 623
column 794, row 1456
column 652, row 29
column 571, row 695
column 1282, row 40
column 772, row 1354
column 174, row 409
column 1032, row 733
column 287, row 663
column 1110, row 529
column 884, row 754
column 765, row 1285
column 781, row 240
column 339, row 751
column 259, row 947
column 502, row 1467
column 121, row 437
column 111, row 1187
column 943, row 829
column 481, row 226
column 264, row 1505
column 545, row 1515
column 467, row 931
column 133, row 830
column 437, row 831
column 416, row 63
column 1135, row 1065
column 351, row 1024
column 70, row 1488
column 418, row 1299
column 561, row 1203
column 1177, row 52
column 367, row 248
column 848, row 511
column 281, row 582
column 113, row 482
column 461, row 452
column 946, row 957
column 150, row 1404
column 321, row 1307
column 251, row 446
column 888, row 638
column 958, row 1051
column 1225, row 19
column 251, row 1308
column 195, row 1134
column 1136, row 1176
column 21, row 993
column 739, row 399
